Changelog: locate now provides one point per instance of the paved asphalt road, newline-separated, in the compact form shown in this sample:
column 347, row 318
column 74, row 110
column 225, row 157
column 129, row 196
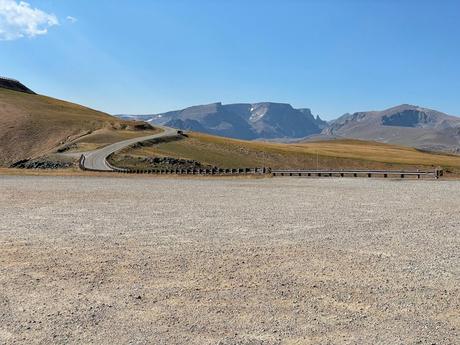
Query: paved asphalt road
column 96, row 160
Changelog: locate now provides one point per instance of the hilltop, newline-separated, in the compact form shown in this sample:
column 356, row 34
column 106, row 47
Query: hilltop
column 15, row 85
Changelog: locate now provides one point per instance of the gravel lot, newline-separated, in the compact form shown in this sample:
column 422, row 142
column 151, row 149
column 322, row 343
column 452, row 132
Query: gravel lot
column 88, row 260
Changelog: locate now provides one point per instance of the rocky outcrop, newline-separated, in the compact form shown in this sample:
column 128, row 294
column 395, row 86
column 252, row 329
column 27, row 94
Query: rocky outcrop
column 15, row 85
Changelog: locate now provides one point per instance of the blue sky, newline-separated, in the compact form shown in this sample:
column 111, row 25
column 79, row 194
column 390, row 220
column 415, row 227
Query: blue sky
column 151, row 56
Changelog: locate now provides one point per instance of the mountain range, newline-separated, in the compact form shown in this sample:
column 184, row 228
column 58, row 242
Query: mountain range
column 242, row 121
column 405, row 124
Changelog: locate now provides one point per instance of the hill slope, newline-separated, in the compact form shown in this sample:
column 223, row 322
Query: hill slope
column 404, row 125
column 242, row 121
column 31, row 125
column 341, row 154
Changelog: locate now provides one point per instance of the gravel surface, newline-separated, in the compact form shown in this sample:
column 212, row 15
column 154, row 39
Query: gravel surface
column 88, row 260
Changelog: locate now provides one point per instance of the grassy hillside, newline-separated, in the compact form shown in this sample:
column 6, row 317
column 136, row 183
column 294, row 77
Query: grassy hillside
column 32, row 125
column 224, row 152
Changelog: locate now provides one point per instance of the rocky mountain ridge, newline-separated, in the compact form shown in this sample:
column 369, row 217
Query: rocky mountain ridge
column 405, row 124
column 251, row 121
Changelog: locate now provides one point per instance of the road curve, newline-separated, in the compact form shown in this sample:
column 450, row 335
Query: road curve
column 97, row 160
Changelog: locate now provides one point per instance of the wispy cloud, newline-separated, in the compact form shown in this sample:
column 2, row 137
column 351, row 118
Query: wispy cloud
column 19, row 19
column 71, row 19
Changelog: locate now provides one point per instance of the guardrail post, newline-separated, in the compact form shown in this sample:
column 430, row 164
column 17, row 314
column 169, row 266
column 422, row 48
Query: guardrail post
column 81, row 162
column 438, row 173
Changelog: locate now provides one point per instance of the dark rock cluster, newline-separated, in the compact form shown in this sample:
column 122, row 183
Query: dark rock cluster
column 41, row 164
column 170, row 162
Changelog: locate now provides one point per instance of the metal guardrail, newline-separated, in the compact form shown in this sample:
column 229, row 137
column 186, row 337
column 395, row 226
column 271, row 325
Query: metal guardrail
column 437, row 173
column 183, row 171
column 199, row 171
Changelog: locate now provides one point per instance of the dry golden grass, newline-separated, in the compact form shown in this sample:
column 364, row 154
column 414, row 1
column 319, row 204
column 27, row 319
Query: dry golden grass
column 106, row 136
column 32, row 125
column 225, row 152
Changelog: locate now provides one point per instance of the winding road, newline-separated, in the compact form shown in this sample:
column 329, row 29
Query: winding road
column 97, row 160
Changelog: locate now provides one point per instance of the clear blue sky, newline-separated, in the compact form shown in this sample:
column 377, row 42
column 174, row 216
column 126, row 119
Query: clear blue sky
column 149, row 56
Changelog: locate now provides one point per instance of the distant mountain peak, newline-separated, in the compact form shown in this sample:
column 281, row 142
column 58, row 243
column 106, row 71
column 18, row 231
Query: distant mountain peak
column 259, row 120
column 405, row 124
column 403, row 107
